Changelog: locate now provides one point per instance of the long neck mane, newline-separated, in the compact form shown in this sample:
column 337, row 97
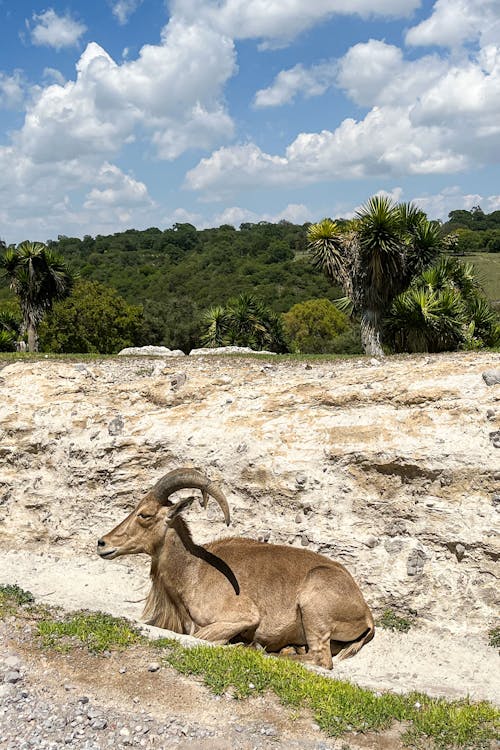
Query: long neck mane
column 161, row 609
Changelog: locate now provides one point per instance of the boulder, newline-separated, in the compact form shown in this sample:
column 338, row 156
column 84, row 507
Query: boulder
column 150, row 351
column 226, row 350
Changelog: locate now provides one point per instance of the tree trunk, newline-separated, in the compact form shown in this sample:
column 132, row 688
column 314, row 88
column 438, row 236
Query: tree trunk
column 370, row 333
column 32, row 338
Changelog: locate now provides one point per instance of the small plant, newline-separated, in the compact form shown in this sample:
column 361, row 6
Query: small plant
column 13, row 596
column 95, row 630
column 494, row 637
column 338, row 707
column 391, row 621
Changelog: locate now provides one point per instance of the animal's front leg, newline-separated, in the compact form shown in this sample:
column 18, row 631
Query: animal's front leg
column 222, row 631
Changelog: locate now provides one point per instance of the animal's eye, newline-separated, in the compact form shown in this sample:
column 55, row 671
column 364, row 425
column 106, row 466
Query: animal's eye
column 143, row 515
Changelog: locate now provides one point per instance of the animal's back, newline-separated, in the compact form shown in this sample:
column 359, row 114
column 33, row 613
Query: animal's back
column 276, row 577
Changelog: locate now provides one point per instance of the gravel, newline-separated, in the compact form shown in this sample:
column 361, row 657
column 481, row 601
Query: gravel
column 39, row 710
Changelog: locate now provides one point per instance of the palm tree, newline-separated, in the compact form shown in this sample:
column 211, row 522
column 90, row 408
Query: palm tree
column 38, row 277
column 215, row 324
column 443, row 309
column 9, row 331
column 244, row 321
column 374, row 257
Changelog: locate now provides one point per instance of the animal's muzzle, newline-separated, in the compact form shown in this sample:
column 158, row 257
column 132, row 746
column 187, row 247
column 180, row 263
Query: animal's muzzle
column 103, row 550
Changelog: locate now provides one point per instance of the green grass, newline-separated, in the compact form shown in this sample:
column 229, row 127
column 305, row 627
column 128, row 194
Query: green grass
column 391, row 621
column 338, row 707
column 96, row 630
column 487, row 266
column 40, row 356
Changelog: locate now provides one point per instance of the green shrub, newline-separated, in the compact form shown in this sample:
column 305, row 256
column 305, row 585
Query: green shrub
column 391, row 621
column 494, row 637
column 13, row 596
column 94, row 318
column 317, row 326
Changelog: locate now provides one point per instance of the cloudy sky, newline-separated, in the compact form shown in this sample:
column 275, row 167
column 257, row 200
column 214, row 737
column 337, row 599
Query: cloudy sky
column 137, row 113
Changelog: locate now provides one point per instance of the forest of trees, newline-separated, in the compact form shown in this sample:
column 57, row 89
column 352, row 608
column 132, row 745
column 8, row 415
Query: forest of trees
column 475, row 230
column 168, row 280
column 179, row 273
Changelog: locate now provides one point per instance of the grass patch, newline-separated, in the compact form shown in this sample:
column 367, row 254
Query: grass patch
column 97, row 631
column 338, row 707
column 391, row 621
column 42, row 356
column 487, row 267
column 12, row 597
column 494, row 637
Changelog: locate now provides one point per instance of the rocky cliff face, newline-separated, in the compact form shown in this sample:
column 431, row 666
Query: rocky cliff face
column 391, row 467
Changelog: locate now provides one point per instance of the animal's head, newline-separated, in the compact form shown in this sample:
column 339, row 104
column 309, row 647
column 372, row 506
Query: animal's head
column 144, row 529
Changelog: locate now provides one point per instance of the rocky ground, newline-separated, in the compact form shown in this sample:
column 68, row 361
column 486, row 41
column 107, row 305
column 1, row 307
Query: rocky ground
column 125, row 700
column 391, row 467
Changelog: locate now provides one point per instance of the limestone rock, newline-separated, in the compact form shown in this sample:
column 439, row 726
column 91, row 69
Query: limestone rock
column 225, row 350
column 491, row 377
column 150, row 351
column 383, row 479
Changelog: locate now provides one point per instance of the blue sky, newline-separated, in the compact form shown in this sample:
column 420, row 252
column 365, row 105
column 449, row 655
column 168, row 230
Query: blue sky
column 138, row 113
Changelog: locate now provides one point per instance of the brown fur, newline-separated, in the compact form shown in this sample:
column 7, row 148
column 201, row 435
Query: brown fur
column 271, row 595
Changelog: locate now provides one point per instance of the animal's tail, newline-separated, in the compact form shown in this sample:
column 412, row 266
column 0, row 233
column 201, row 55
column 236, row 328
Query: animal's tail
column 352, row 648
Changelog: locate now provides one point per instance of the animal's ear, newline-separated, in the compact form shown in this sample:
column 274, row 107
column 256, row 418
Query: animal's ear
column 179, row 507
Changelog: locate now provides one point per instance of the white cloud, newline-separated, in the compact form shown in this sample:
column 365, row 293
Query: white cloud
column 55, row 31
column 53, row 75
column 171, row 96
column 309, row 82
column 123, row 9
column 41, row 200
column 384, row 143
column 118, row 190
column 171, row 90
column 182, row 216
column 367, row 68
column 372, row 72
column 454, row 22
column 439, row 205
column 282, row 20
column 376, row 73
column 434, row 115
column 201, row 128
column 12, row 90
column 296, row 213
column 243, row 166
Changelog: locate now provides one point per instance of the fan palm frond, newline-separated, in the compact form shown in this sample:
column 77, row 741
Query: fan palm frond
column 327, row 245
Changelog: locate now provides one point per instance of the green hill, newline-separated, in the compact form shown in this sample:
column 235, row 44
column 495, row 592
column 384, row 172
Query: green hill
column 178, row 273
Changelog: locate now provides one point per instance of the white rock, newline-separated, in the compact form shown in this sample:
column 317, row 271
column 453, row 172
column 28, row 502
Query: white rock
column 150, row 351
column 226, row 350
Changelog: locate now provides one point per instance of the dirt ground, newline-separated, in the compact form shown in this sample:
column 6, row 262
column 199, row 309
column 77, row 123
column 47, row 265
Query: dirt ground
column 436, row 662
column 122, row 689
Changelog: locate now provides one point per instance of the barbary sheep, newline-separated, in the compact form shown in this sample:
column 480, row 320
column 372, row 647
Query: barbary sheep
column 236, row 588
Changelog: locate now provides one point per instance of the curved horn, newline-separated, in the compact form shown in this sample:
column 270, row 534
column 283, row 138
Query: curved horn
column 180, row 479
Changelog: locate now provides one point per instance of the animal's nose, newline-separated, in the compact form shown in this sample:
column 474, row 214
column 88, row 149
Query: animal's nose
column 101, row 543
